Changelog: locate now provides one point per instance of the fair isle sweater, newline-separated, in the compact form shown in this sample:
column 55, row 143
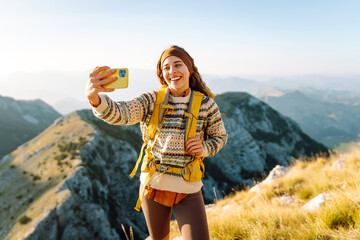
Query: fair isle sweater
column 169, row 148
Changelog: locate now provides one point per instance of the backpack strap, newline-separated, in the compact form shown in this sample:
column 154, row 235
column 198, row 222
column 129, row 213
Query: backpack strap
column 158, row 112
column 153, row 131
column 157, row 119
column 192, row 114
column 191, row 120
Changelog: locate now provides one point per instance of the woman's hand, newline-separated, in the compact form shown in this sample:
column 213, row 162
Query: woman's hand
column 194, row 146
column 94, row 85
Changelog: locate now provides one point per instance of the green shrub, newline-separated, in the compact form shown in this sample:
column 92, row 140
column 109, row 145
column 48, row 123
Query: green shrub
column 70, row 148
column 60, row 157
column 24, row 220
column 341, row 214
column 36, row 177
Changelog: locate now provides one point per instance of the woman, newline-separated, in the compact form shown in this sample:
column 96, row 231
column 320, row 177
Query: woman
column 165, row 190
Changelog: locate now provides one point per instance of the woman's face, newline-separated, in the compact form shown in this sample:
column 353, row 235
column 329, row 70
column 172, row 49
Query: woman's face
column 176, row 74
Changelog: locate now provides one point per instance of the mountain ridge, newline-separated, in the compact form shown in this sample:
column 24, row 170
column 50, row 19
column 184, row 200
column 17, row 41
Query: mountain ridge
column 327, row 122
column 77, row 163
column 21, row 120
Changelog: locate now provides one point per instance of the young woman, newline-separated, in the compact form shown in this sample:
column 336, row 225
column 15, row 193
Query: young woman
column 166, row 190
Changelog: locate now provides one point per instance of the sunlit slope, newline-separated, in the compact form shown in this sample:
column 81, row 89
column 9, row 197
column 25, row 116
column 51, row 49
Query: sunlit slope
column 315, row 199
column 32, row 176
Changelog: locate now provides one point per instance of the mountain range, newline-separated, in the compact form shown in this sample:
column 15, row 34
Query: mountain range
column 22, row 120
column 329, row 120
column 72, row 180
column 55, row 86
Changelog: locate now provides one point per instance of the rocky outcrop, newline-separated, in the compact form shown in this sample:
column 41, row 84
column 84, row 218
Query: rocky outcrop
column 317, row 202
column 277, row 172
column 259, row 139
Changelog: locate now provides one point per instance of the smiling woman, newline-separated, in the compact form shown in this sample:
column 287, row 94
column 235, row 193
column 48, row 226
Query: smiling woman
column 173, row 166
column 175, row 62
column 176, row 75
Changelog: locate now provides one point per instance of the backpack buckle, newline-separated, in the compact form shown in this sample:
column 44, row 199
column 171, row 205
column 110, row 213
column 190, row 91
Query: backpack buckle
column 163, row 168
column 185, row 171
column 188, row 115
column 168, row 109
column 151, row 164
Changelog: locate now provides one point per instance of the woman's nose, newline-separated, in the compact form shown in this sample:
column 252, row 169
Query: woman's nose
column 172, row 70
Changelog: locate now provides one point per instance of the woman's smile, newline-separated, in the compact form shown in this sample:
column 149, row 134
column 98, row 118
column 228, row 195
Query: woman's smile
column 174, row 79
column 176, row 75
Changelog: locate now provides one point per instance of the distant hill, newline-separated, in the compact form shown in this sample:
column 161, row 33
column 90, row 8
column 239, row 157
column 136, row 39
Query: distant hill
column 345, row 97
column 22, row 120
column 73, row 179
column 330, row 123
column 316, row 81
column 231, row 84
column 268, row 92
column 68, row 105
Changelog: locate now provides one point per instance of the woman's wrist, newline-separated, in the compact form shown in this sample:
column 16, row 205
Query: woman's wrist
column 94, row 101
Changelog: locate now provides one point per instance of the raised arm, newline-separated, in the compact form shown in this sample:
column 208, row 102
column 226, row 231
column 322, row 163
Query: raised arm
column 125, row 112
column 117, row 113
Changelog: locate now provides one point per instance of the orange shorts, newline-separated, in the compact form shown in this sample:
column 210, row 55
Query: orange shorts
column 165, row 198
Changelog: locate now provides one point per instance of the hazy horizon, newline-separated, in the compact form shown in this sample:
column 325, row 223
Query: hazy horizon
column 66, row 85
column 256, row 40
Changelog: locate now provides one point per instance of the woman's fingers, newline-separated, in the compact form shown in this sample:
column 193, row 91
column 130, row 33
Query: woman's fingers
column 99, row 78
column 104, row 81
column 100, row 88
column 196, row 150
column 96, row 82
column 194, row 145
column 96, row 71
column 192, row 141
column 105, row 74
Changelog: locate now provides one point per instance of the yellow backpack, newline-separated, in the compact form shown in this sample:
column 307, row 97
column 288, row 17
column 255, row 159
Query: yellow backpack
column 192, row 171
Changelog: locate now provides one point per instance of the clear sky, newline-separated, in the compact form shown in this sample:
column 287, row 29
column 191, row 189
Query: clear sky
column 263, row 37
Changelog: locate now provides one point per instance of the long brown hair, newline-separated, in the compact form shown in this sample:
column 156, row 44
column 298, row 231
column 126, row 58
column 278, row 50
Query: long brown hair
column 195, row 81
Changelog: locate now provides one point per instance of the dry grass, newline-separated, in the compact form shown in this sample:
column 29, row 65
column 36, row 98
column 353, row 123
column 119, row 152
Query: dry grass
column 35, row 177
column 250, row 215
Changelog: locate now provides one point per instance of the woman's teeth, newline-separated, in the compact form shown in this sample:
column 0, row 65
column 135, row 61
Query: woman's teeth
column 175, row 78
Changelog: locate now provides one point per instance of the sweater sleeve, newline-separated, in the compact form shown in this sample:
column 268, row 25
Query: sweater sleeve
column 125, row 112
column 215, row 131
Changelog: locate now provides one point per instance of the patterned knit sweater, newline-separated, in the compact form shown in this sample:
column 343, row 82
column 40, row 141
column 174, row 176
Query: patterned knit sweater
column 169, row 148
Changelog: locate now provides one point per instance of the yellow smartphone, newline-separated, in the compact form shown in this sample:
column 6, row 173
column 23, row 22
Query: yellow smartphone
column 122, row 80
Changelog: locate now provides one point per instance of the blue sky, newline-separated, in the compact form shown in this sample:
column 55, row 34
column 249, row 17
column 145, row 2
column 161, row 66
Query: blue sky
column 231, row 38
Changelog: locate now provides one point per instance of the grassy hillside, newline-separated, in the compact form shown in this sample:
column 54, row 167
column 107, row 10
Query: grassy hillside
column 35, row 173
column 276, row 210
